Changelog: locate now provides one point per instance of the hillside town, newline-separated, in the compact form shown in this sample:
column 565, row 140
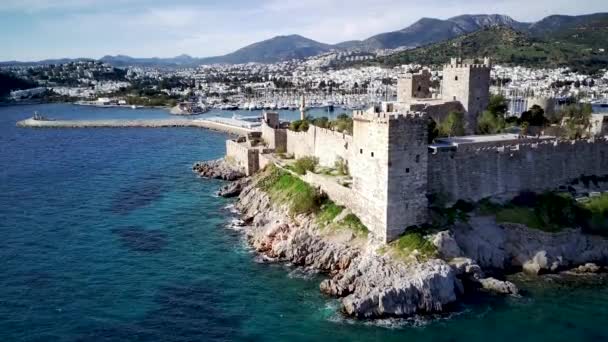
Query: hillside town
column 281, row 85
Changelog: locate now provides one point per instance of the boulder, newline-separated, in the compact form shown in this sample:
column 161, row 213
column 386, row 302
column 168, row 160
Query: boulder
column 446, row 245
column 498, row 286
column 588, row 268
column 233, row 189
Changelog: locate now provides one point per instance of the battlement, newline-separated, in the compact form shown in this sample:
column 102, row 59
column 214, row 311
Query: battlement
column 456, row 63
column 466, row 66
column 548, row 145
column 421, row 73
column 385, row 117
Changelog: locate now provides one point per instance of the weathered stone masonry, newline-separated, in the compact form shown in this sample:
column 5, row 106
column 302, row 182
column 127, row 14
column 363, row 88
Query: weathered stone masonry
column 393, row 168
column 474, row 173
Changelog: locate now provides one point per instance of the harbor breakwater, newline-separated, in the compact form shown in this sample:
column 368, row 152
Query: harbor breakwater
column 139, row 123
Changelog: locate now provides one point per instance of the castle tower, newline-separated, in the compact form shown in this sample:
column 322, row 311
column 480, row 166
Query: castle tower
column 414, row 86
column 468, row 83
column 389, row 170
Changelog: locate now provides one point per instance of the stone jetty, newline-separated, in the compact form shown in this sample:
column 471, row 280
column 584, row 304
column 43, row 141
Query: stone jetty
column 118, row 123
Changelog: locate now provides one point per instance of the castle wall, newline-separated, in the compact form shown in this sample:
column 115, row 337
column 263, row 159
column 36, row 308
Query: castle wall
column 437, row 112
column 274, row 138
column 325, row 144
column 245, row 158
column 473, row 174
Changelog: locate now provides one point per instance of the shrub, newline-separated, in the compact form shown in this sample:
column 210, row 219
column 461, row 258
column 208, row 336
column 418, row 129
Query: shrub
column 329, row 211
column 341, row 166
column 352, row 222
column 304, row 164
column 299, row 125
column 414, row 241
column 452, row 125
column 526, row 199
column 322, row 122
column 520, row 215
column 594, row 217
column 490, row 123
column 343, row 124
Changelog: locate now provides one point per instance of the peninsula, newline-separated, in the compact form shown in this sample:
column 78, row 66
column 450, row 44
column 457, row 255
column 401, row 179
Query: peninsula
column 403, row 223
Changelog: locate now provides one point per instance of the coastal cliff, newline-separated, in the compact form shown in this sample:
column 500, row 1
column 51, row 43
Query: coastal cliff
column 372, row 279
column 368, row 284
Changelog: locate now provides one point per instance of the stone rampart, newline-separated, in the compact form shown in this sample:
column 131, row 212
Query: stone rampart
column 474, row 173
column 247, row 159
column 325, row 144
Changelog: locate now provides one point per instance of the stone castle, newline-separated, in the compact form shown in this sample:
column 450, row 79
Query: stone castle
column 393, row 168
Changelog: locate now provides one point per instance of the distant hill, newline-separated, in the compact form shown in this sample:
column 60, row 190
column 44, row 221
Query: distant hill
column 588, row 31
column 506, row 46
column 123, row 61
column 280, row 48
column 427, row 30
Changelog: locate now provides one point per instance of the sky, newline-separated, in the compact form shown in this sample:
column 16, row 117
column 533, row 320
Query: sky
column 41, row 29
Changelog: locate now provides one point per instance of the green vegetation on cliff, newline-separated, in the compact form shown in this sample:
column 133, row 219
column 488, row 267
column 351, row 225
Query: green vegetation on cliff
column 301, row 198
column 284, row 187
column 551, row 212
column 413, row 244
column 305, row 164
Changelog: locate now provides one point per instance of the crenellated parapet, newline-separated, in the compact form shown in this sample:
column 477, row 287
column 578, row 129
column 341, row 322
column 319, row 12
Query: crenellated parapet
column 386, row 117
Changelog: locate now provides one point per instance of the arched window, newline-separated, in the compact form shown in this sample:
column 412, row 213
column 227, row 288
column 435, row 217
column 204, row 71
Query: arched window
column 456, row 78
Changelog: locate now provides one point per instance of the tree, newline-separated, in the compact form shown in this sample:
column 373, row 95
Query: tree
column 490, row 123
column 577, row 120
column 535, row 116
column 452, row 125
column 498, row 105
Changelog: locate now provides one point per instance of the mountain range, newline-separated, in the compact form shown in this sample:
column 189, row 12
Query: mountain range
column 590, row 30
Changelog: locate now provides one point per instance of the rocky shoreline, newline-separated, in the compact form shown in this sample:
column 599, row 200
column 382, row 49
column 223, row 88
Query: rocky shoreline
column 372, row 284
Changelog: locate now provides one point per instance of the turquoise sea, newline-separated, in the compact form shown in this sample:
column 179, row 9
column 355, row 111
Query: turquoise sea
column 106, row 235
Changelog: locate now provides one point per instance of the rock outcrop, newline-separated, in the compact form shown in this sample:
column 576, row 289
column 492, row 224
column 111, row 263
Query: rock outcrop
column 218, row 169
column 513, row 246
column 368, row 284
column 232, row 189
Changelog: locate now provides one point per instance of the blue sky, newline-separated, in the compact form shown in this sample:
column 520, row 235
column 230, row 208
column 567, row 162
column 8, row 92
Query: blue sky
column 40, row 29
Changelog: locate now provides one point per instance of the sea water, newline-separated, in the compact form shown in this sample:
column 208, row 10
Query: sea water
column 107, row 235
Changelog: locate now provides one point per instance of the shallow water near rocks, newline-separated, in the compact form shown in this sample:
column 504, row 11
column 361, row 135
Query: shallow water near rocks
column 106, row 235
